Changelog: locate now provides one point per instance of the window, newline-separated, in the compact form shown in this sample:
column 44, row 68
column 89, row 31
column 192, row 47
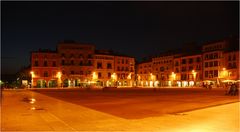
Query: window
column 45, row 74
column 80, row 56
column 122, row 68
column 126, row 69
column 122, row 61
column 109, row 75
column 183, row 61
column 234, row 65
column 206, row 64
column 109, row 66
column 72, row 63
column 229, row 65
column 206, row 73
column 162, row 68
column 215, row 73
column 190, row 61
column 63, row 55
column 90, row 56
column 234, row 57
column 35, row 63
column 54, row 64
column 210, row 74
column 45, row 63
column 80, row 63
column 215, row 55
column 177, row 70
column 184, row 69
column 176, row 63
column 206, row 57
column 126, row 61
column 215, row 63
column 229, row 57
column 99, row 65
column 89, row 62
column 100, row 75
column 198, row 59
column 210, row 64
column 63, row 62
column 118, row 68
column 72, row 72
column 211, row 56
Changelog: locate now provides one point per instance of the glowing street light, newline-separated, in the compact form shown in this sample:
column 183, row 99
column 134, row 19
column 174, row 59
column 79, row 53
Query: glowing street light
column 32, row 76
column 114, row 77
column 129, row 76
column 173, row 76
column 59, row 75
column 94, row 76
column 194, row 74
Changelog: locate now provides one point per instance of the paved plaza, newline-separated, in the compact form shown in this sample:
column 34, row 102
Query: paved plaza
column 136, row 109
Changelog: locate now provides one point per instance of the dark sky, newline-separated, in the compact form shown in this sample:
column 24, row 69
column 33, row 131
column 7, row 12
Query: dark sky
column 134, row 28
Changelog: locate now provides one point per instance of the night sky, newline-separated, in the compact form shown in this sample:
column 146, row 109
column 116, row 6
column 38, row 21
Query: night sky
column 134, row 28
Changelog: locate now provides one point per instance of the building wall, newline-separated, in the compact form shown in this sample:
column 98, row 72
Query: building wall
column 213, row 59
column 104, row 68
column 188, row 70
column 76, row 65
column 124, row 69
column 231, row 66
column 145, row 74
column 163, row 68
column 44, row 69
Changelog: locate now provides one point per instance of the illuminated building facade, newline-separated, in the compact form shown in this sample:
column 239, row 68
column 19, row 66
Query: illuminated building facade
column 213, row 63
column 188, row 70
column 80, row 65
column 104, row 69
column 163, row 69
column 145, row 76
column 124, row 67
column 230, row 72
column 45, row 69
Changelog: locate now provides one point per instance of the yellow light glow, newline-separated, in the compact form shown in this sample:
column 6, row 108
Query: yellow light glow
column 173, row 76
column 114, row 76
column 59, row 74
column 94, row 77
column 129, row 76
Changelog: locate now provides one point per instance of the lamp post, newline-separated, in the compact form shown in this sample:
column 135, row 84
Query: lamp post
column 32, row 76
column 173, row 77
column 59, row 75
column 194, row 75
column 114, row 78
column 129, row 77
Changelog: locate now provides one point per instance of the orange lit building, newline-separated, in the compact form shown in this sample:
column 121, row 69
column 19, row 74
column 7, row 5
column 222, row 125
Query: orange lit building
column 80, row 65
column 230, row 71
column 104, row 69
column 76, row 63
column 124, row 67
column 188, row 70
column 163, row 69
column 145, row 76
column 45, row 69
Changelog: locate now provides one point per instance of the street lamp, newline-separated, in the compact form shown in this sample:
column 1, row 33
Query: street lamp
column 59, row 75
column 32, row 76
column 114, row 77
column 194, row 75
